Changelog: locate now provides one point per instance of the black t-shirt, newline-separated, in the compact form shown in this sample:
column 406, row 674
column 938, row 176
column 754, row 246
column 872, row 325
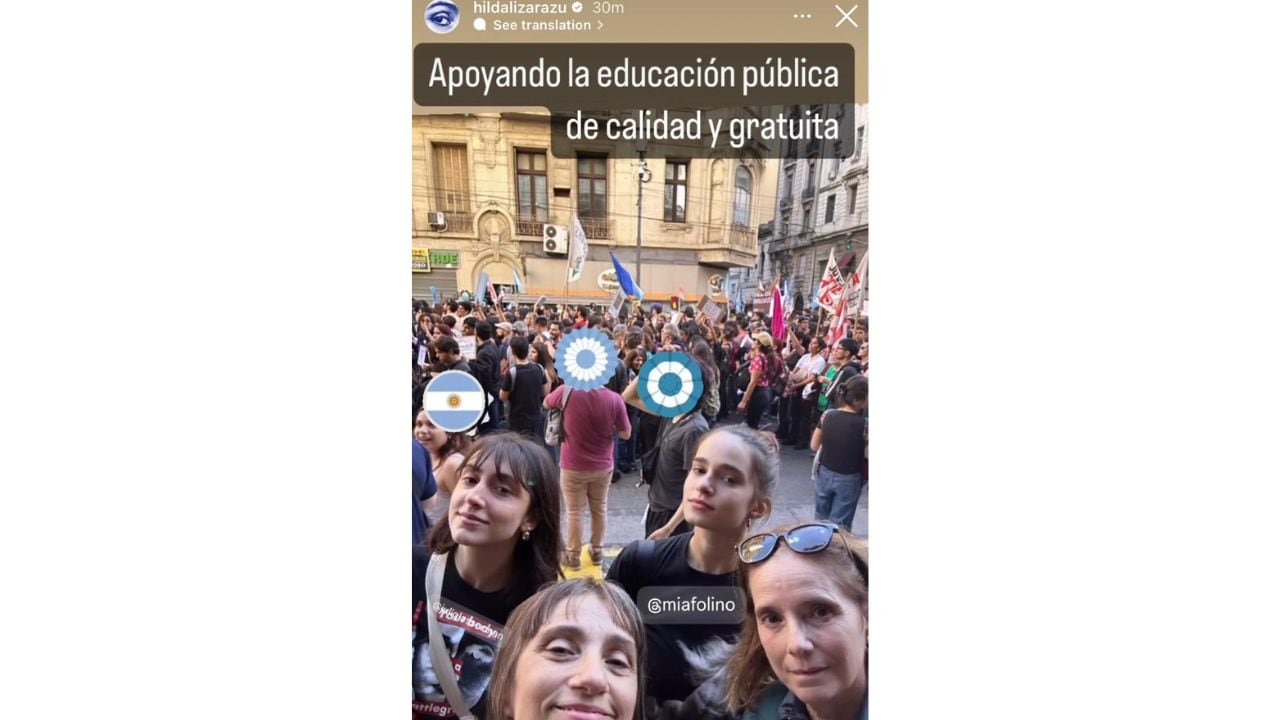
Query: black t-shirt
column 843, row 441
column 677, row 444
column 667, row 669
column 526, row 396
column 471, row 624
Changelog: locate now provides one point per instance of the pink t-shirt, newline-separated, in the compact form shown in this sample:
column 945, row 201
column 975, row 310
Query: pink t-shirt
column 590, row 423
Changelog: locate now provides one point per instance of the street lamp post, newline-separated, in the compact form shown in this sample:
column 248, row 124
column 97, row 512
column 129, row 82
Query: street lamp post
column 642, row 177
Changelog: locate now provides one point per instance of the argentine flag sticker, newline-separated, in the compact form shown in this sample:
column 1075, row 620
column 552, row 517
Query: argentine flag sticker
column 670, row 383
column 454, row 401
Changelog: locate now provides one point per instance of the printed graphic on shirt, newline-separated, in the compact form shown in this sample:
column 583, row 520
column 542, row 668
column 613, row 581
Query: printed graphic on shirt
column 472, row 641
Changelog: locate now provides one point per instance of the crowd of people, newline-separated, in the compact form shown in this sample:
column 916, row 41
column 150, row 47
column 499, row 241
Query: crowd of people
column 491, row 605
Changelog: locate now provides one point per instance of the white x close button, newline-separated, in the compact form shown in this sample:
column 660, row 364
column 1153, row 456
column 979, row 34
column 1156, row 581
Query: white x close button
column 846, row 16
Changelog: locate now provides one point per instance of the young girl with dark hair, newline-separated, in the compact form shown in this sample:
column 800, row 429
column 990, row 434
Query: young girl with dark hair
column 501, row 542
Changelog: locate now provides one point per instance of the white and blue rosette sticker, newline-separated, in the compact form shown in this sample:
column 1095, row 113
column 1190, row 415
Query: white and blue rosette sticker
column 586, row 359
column 670, row 384
column 454, row 401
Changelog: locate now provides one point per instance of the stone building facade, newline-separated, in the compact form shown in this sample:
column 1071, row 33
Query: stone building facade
column 821, row 206
column 493, row 177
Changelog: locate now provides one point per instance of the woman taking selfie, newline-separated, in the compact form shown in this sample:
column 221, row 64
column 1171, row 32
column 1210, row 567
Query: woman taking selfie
column 574, row 650
column 501, row 542
column 803, row 649
column 447, row 451
column 732, row 476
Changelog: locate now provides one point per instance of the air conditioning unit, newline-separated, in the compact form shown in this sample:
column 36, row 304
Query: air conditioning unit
column 555, row 239
column 436, row 221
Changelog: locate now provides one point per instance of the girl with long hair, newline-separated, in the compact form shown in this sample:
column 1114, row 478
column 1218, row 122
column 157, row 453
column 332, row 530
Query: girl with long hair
column 499, row 544
column 732, row 474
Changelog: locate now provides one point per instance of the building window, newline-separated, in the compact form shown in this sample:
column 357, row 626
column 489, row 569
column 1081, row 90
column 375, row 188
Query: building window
column 858, row 139
column 452, row 182
column 593, row 187
column 676, row 191
column 831, row 208
column 742, row 197
column 785, row 230
column 593, row 196
column 531, row 191
column 813, row 176
column 807, row 215
column 790, row 184
column 853, row 198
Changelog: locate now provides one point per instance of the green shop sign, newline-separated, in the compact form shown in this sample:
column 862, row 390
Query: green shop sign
column 425, row 260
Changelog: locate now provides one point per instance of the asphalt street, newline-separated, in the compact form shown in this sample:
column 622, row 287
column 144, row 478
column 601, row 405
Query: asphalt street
column 792, row 502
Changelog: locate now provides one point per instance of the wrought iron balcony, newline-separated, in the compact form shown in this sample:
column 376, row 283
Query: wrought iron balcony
column 597, row 228
column 525, row 226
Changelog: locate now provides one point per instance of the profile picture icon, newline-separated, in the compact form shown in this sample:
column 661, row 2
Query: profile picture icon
column 441, row 16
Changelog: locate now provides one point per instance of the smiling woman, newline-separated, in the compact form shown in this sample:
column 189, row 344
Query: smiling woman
column 575, row 650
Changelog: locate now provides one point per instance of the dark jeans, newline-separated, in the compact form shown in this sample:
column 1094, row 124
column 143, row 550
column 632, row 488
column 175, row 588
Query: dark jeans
column 495, row 418
column 761, row 398
column 624, row 451
column 784, row 418
column 728, row 394
column 801, row 419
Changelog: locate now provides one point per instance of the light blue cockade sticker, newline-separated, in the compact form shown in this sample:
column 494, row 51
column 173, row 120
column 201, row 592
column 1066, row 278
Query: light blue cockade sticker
column 670, row 384
column 586, row 359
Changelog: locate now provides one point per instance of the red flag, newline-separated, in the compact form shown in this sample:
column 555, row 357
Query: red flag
column 779, row 325
column 493, row 293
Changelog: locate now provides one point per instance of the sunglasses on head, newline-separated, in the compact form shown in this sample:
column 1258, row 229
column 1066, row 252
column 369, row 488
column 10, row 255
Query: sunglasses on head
column 805, row 539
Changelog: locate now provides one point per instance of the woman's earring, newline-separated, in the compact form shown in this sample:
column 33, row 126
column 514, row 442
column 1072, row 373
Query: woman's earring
column 525, row 536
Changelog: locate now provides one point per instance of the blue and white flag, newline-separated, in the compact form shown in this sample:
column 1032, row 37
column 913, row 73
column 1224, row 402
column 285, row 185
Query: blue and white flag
column 435, row 295
column 454, row 401
column 481, row 284
column 515, row 275
column 624, row 280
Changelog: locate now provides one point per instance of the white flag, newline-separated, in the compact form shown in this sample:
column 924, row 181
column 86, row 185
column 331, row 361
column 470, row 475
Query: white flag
column 856, row 287
column 832, row 284
column 577, row 251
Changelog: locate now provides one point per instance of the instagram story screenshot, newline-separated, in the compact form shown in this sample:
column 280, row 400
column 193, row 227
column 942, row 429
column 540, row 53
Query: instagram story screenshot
column 640, row 327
